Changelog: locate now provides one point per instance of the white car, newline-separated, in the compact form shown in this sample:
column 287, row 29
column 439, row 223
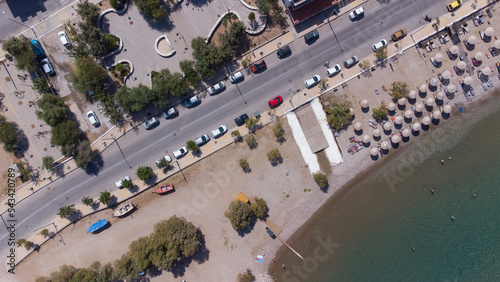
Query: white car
column 219, row 131
column 151, row 122
column 380, row 44
column 202, row 139
column 47, row 67
column 167, row 158
column 356, row 13
column 64, row 39
column 235, row 77
column 216, row 88
column 93, row 118
column 118, row 183
column 333, row 70
column 312, row 81
column 181, row 152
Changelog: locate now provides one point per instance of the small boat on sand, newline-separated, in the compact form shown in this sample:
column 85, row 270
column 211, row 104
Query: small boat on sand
column 164, row 189
column 98, row 225
column 128, row 207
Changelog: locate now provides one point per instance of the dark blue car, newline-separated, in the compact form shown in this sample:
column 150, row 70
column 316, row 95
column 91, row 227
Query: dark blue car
column 37, row 48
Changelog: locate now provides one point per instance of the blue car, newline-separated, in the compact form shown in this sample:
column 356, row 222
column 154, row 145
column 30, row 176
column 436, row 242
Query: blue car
column 37, row 48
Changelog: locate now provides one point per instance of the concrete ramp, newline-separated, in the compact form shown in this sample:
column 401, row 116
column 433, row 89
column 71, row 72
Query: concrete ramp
column 311, row 127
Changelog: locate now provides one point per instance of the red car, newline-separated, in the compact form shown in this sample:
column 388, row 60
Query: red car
column 258, row 66
column 275, row 102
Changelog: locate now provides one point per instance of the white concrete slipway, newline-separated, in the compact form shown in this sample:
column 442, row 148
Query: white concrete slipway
column 309, row 157
column 333, row 151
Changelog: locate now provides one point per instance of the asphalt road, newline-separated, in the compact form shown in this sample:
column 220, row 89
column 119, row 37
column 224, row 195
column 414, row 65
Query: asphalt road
column 282, row 77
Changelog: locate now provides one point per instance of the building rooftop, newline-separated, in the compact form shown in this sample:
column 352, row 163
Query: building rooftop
column 300, row 10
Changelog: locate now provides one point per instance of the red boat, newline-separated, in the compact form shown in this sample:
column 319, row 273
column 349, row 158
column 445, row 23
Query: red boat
column 164, row 189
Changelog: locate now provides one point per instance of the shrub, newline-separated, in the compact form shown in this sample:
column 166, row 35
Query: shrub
column 117, row 4
column 239, row 214
column 321, row 179
column 338, row 115
column 251, row 141
column 246, row 276
column 251, row 16
column 381, row 53
column 191, row 146
column 365, row 64
column 162, row 163
column 105, row 198
column 44, row 232
column 274, row 156
column 380, row 112
column 144, row 172
column 278, row 132
column 259, row 208
column 88, row 201
column 399, row 89
column 65, row 211
column 252, row 123
column 48, row 163
column 127, row 183
column 244, row 164
column 236, row 135
column 119, row 67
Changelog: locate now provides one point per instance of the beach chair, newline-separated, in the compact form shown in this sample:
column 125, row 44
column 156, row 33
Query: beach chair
column 472, row 92
column 485, row 86
column 481, row 19
column 433, row 61
column 476, row 21
column 376, row 92
column 490, row 83
column 479, row 74
column 481, row 33
column 383, row 88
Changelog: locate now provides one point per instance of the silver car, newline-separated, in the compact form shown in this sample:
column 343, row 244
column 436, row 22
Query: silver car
column 148, row 124
column 312, row 81
column 235, row 77
column 219, row 131
column 351, row 62
column 170, row 113
column 118, row 183
column 216, row 88
column 333, row 70
column 202, row 140
column 47, row 67
column 181, row 152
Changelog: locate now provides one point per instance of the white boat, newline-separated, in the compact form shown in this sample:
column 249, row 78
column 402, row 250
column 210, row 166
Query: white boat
column 128, row 207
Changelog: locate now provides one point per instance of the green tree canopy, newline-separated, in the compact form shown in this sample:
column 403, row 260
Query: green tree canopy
column 380, row 112
column 48, row 163
column 399, row 89
column 8, row 134
column 53, row 110
column 88, row 11
column 88, row 76
column 321, row 179
column 105, row 197
column 85, row 154
column 41, row 85
column 191, row 146
column 65, row 211
column 239, row 214
column 20, row 47
column 259, row 209
column 190, row 75
column 144, row 172
column 381, row 53
column 134, row 99
column 338, row 115
column 64, row 133
column 152, row 8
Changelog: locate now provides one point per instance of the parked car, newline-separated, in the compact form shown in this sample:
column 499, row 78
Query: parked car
column 37, row 48
column 454, row 5
column 118, row 183
column 181, row 152
column 47, row 67
column 148, row 124
column 333, row 70
column 260, row 65
column 93, row 118
column 235, row 77
column 349, row 63
column 167, row 158
column 313, row 35
column 241, row 119
column 284, row 51
column 312, row 81
column 219, row 131
column 276, row 101
column 398, row 34
column 380, row 44
column 216, row 88
column 191, row 102
column 202, row 140
column 64, row 39
column 170, row 113
column 359, row 12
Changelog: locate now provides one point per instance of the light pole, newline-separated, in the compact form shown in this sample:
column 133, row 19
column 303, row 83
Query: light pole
column 334, row 11
column 181, row 171
column 24, row 26
column 116, row 141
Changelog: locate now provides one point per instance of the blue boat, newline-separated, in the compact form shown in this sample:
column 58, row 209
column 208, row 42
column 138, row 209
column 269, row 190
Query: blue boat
column 98, row 225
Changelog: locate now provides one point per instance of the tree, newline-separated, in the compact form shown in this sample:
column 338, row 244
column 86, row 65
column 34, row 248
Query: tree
column 323, row 83
column 251, row 16
column 251, row 141
column 116, row 4
column 190, row 75
column 251, row 123
column 20, row 242
column 239, row 214
column 399, row 89
column 88, row 76
column 65, row 211
column 191, row 146
column 8, row 134
column 152, row 8
column 380, row 112
column 274, row 156
column 127, row 183
column 64, row 133
column 381, row 53
column 44, row 232
column 278, row 132
column 236, row 135
column 105, row 198
column 87, row 201
column 246, row 276
column 365, row 64
column 321, row 179
column 53, row 110
column 134, row 99
column 88, row 11
column 41, row 85
column 244, row 165
column 69, row 150
column 208, row 57
column 85, row 154
column 144, row 172
column 259, row 208
column 20, row 47
column 162, row 163
column 338, row 115
column 48, row 163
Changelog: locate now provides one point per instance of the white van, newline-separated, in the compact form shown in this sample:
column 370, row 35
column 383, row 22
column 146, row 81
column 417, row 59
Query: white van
column 64, row 39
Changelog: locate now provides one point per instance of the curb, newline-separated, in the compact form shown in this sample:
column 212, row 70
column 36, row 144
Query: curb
column 169, row 44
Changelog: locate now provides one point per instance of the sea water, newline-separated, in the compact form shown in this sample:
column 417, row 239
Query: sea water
column 391, row 227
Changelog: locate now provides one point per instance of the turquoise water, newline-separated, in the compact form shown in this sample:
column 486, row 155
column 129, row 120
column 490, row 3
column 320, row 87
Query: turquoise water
column 373, row 229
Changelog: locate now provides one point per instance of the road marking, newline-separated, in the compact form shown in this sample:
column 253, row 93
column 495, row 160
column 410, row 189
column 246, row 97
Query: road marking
column 269, row 47
column 42, row 27
column 63, row 15
column 2, row 53
column 288, row 37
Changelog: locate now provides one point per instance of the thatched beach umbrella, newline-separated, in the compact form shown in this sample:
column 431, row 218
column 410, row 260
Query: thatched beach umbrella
column 419, row 107
column 366, row 139
column 426, row 120
column 468, row 80
column 497, row 44
column 364, row 103
column 387, row 126
column 438, row 58
column 446, row 74
column 461, row 65
column 402, row 101
column 452, row 88
column 358, row 126
column 472, row 39
column 454, row 49
column 447, row 109
column 434, row 81
column 376, row 132
column 440, row 95
column 436, row 114
column 479, row 56
column 429, row 102
column 408, row 114
column 489, row 31
column 374, row 152
column 412, row 94
column 415, row 126
column 398, row 120
column 486, row 71
column 391, row 107
column 384, row 145
column 395, row 138
column 406, row 132
column 423, row 88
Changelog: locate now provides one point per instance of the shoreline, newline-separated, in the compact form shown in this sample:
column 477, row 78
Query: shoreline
column 364, row 173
